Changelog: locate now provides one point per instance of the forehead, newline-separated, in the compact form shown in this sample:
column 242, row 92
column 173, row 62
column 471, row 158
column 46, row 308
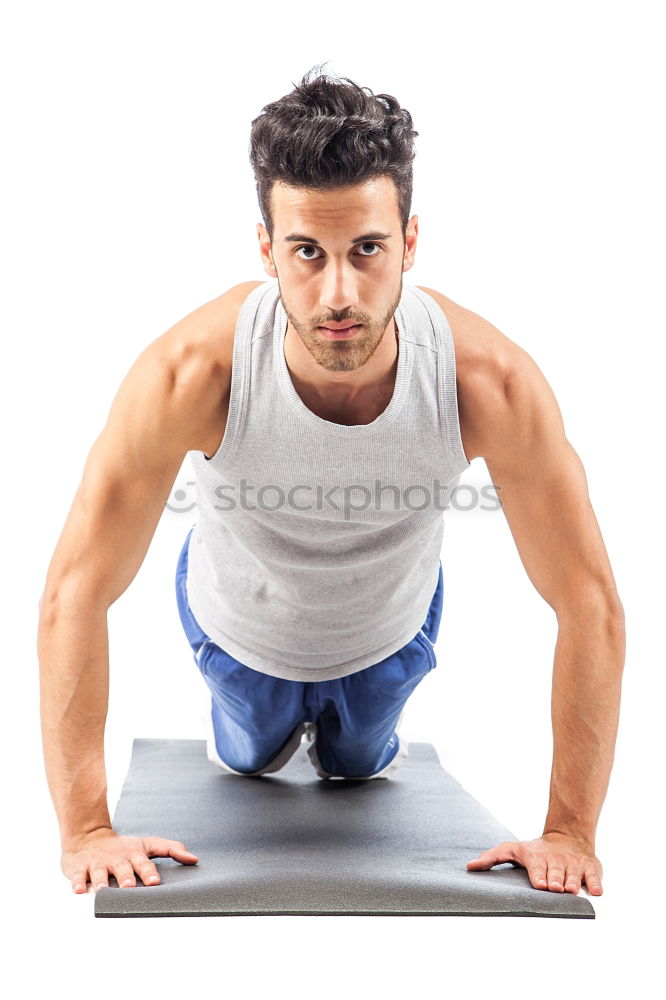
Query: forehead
column 373, row 200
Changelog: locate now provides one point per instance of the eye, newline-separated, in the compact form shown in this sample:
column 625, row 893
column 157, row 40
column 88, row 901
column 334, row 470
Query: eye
column 369, row 244
column 306, row 246
column 311, row 246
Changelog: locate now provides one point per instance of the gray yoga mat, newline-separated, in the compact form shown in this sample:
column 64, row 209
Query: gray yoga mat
column 291, row 843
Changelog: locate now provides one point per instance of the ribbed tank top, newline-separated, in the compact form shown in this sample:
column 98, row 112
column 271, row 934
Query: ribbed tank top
column 317, row 546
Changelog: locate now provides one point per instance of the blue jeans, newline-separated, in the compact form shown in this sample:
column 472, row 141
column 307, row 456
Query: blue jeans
column 258, row 719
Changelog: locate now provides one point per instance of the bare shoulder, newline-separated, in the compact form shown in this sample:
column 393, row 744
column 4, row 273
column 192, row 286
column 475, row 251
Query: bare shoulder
column 207, row 333
column 198, row 352
column 490, row 367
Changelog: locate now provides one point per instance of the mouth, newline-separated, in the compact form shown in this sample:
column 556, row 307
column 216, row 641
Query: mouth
column 338, row 333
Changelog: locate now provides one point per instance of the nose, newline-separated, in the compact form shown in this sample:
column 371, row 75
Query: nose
column 339, row 294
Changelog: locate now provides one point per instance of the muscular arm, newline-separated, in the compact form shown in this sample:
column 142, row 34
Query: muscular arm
column 510, row 416
column 167, row 404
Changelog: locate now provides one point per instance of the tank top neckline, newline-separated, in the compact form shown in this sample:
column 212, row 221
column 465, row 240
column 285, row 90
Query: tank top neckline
column 391, row 411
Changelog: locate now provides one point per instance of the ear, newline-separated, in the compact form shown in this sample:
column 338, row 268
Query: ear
column 265, row 250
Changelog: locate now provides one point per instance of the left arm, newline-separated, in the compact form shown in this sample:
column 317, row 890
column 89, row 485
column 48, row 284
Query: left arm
column 513, row 421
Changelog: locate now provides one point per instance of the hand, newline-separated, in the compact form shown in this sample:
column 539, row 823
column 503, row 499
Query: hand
column 554, row 861
column 102, row 851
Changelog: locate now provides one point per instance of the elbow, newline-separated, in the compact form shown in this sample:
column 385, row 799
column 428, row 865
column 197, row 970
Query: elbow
column 616, row 616
column 46, row 608
column 600, row 603
column 617, row 607
column 613, row 608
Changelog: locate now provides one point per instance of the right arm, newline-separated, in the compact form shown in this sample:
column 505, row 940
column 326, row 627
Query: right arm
column 167, row 404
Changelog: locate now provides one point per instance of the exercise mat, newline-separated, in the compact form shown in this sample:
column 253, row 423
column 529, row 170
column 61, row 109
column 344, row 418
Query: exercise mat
column 289, row 842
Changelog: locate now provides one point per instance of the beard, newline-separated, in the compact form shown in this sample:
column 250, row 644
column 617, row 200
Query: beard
column 344, row 355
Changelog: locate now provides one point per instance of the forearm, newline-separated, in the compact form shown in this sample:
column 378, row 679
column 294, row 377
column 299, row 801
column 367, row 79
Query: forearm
column 73, row 649
column 587, row 681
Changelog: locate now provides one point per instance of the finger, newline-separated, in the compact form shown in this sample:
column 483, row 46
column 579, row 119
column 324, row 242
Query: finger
column 572, row 880
column 555, row 874
column 79, row 879
column 493, row 856
column 593, row 880
column 158, row 847
column 537, row 874
column 124, row 873
column 145, row 868
column 99, row 876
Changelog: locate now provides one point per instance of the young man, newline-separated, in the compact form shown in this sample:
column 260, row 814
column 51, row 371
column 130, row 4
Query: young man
column 311, row 587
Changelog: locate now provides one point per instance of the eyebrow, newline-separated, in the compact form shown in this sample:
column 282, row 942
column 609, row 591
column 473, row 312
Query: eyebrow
column 300, row 238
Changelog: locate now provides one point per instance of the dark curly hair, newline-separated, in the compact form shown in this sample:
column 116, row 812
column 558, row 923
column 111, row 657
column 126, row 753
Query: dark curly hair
column 328, row 132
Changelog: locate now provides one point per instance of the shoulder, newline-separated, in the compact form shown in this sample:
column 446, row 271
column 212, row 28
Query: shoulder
column 198, row 349
column 499, row 386
column 185, row 373
column 205, row 336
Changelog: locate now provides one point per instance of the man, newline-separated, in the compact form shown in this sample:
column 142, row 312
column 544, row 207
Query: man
column 310, row 588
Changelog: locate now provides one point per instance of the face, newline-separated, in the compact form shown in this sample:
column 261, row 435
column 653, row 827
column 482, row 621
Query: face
column 326, row 274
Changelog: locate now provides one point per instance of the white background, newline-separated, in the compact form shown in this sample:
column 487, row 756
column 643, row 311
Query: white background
column 127, row 201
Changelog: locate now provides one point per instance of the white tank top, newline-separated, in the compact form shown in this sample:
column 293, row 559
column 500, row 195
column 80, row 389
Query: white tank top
column 317, row 546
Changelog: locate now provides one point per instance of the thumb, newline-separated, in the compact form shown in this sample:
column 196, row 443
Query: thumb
column 160, row 847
